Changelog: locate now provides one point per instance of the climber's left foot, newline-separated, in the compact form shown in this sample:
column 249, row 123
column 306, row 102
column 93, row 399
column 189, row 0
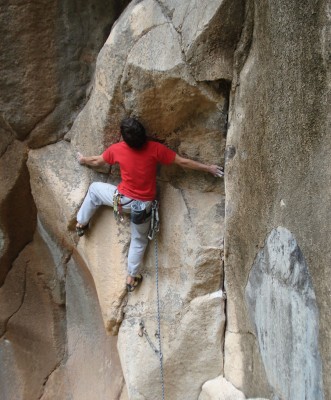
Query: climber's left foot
column 80, row 229
column 133, row 281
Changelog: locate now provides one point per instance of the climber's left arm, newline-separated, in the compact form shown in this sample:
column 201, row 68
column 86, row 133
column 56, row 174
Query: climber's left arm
column 215, row 170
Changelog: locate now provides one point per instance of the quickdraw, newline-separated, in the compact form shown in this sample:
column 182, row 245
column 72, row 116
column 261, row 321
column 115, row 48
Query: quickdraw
column 155, row 220
column 143, row 331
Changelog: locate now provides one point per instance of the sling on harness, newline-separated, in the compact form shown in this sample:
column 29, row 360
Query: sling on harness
column 117, row 205
column 138, row 213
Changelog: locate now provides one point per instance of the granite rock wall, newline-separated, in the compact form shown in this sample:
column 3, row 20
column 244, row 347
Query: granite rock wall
column 243, row 84
column 277, row 195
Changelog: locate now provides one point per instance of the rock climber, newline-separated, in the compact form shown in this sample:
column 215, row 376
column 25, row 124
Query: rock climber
column 138, row 158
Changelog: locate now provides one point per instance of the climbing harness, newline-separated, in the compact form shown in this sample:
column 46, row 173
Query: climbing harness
column 138, row 214
column 155, row 223
column 117, row 205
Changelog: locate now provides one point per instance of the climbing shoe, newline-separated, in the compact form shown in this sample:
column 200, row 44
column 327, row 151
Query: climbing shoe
column 137, row 281
column 80, row 230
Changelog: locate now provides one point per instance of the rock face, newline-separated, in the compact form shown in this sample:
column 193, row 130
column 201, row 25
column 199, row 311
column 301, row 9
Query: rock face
column 32, row 337
column 216, row 81
column 91, row 356
column 283, row 308
column 53, row 324
column 220, row 388
column 277, row 173
column 148, row 78
column 47, row 58
column 18, row 218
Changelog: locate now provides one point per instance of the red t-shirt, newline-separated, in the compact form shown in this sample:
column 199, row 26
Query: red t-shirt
column 138, row 167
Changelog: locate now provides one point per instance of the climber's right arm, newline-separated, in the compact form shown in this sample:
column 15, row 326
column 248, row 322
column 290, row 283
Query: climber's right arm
column 92, row 161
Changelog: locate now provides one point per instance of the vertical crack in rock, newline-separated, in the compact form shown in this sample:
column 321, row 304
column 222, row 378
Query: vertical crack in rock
column 18, row 218
column 7, row 134
column 21, row 302
column 244, row 44
column 222, row 87
column 49, row 376
column 42, row 119
column 141, row 36
column 282, row 306
column 188, row 208
column 169, row 15
column 60, row 257
column 35, row 331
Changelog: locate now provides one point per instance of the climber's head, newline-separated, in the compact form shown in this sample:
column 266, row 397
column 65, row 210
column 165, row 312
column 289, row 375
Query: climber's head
column 133, row 133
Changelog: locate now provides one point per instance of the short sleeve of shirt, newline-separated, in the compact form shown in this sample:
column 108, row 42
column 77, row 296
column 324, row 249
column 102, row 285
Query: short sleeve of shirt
column 164, row 154
column 160, row 152
column 108, row 155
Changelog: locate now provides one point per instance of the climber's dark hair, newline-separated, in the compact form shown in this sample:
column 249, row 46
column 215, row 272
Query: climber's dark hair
column 133, row 133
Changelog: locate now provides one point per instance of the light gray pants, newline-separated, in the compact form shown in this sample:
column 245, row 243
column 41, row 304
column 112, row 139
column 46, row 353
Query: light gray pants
column 102, row 194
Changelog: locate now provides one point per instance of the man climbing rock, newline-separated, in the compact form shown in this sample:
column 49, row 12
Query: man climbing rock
column 138, row 158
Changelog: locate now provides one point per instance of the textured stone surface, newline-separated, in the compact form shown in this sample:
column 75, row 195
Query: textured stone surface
column 11, row 296
column 187, row 310
column 57, row 187
column 140, row 68
column 209, row 32
column 91, row 369
column 278, row 164
column 169, row 63
column 32, row 343
column 70, row 351
column 140, row 72
column 124, row 394
column 182, row 347
column 148, row 73
column 7, row 136
column 17, row 217
column 104, row 250
column 220, row 389
column 47, row 59
column 245, row 363
column 283, row 309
